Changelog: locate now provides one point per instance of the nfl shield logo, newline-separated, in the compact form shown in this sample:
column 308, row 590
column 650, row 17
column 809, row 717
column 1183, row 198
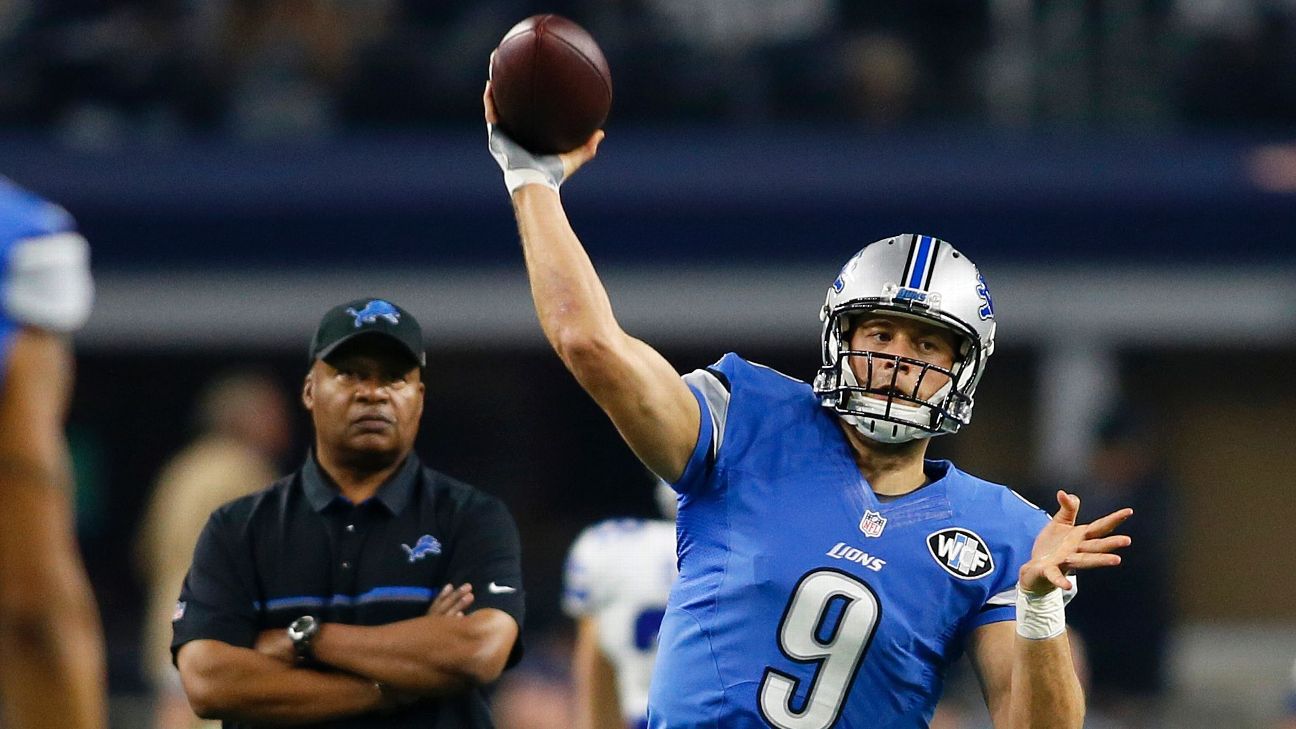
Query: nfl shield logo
column 872, row 524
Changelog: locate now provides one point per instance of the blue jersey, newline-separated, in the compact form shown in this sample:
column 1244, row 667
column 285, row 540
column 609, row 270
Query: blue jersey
column 802, row 600
column 44, row 274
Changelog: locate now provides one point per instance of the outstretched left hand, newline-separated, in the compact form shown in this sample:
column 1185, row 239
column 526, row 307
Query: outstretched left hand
column 1064, row 546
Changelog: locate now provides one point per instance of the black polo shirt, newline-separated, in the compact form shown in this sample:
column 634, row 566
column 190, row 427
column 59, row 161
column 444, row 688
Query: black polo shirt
column 301, row 548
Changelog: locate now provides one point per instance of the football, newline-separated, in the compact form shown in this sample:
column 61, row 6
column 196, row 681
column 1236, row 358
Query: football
column 551, row 84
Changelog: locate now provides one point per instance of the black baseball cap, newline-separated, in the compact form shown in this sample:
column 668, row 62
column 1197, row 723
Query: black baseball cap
column 366, row 317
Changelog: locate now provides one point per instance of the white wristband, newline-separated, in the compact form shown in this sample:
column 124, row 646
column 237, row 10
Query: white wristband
column 513, row 179
column 1040, row 617
column 520, row 166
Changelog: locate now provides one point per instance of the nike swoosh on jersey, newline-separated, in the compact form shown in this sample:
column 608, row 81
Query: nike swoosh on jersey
column 495, row 589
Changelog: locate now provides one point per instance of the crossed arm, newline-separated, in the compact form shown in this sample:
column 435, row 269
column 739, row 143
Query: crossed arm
column 227, row 682
column 360, row 669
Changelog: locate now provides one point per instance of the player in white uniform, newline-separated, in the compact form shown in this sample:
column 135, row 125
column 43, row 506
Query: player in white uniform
column 618, row 577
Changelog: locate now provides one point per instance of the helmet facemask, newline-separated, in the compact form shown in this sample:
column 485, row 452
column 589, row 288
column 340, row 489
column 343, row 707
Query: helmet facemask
column 880, row 408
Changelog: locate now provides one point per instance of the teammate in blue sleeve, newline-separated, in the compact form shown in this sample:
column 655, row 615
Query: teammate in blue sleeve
column 50, row 638
column 828, row 573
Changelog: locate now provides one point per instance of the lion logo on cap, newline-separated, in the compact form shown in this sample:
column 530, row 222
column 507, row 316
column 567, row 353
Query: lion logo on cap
column 373, row 311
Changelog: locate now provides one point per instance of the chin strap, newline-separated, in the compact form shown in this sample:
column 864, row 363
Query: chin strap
column 871, row 425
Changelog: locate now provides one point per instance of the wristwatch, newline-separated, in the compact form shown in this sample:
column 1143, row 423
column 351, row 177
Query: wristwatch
column 302, row 632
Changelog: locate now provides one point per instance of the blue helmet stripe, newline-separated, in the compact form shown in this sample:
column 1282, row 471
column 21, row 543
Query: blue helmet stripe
column 920, row 262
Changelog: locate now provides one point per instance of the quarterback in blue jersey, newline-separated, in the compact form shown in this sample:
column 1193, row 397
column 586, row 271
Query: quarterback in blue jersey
column 828, row 573
column 50, row 638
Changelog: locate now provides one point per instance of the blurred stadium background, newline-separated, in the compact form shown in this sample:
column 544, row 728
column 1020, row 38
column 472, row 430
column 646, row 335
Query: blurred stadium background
column 1124, row 171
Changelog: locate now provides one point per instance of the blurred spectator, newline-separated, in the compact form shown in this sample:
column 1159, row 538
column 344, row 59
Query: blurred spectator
column 428, row 67
column 1124, row 615
column 879, row 75
column 244, row 429
column 282, row 65
column 1241, row 64
column 15, row 15
column 715, row 59
column 917, row 59
column 94, row 73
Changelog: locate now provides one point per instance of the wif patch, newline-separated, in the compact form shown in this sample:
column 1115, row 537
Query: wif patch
column 178, row 613
column 961, row 553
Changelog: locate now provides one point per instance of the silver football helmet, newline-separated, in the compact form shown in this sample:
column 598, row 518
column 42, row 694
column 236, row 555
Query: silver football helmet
column 916, row 276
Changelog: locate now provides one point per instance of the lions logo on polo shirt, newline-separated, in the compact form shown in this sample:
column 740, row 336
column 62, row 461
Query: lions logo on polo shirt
column 426, row 544
column 961, row 552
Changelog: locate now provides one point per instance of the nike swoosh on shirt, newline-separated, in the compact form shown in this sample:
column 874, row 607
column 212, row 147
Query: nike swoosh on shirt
column 495, row 589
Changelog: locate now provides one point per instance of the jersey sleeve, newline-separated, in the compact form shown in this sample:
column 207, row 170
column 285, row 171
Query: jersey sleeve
column 217, row 600
column 712, row 389
column 47, row 282
column 488, row 555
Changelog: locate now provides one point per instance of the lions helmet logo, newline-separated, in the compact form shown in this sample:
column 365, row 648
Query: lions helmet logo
column 986, row 310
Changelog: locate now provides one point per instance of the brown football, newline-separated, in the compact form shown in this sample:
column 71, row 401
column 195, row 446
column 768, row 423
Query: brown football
column 551, row 84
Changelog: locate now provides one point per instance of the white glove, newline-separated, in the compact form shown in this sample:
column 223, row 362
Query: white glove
column 520, row 166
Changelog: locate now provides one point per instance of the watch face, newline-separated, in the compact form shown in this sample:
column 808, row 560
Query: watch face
column 301, row 627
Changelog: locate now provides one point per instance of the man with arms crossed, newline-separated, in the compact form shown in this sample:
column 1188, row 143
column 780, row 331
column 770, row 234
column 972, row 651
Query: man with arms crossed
column 51, row 643
column 828, row 572
column 329, row 599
